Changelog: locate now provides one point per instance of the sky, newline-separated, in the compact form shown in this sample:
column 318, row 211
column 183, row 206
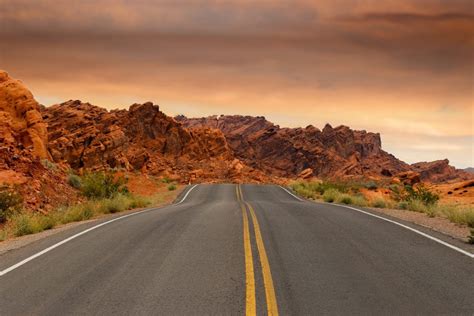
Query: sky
column 403, row 68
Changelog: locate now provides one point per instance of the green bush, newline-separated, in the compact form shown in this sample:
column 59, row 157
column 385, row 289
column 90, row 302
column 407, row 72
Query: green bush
column 99, row 185
column 45, row 222
column 117, row 204
column 421, row 193
column 417, row 206
column 22, row 225
column 139, row 202
column 171, row 187
column 359, row 200
column 403, row 205
column 345, row 199
column 458, row 214
column 74, row 181
column 166, row 180
column 371, row 185
column 78, row 213
column 379, row 203
column 49, row 164
column 10, row 203
column 3, row 234
column 331, row 195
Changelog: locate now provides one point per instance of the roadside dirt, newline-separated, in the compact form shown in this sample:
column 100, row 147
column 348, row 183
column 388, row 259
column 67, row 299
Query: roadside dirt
column 439, row 224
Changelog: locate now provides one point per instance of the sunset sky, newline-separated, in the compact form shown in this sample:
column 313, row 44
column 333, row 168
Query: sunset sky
column 403, row 68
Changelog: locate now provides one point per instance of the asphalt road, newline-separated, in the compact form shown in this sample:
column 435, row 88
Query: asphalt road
column 231, row 250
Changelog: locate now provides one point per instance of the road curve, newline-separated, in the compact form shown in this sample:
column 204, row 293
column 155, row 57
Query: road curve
column 231, row 250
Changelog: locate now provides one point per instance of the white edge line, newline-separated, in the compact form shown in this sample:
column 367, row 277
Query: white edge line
column 471, row 255
column 19, row 264
column 186, row 195
column 296, row 197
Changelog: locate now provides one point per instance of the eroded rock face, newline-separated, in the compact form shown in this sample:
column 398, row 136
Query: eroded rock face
column 439, row 171
column 141, row 138
column 290, row 152
column 23, row 147
column 20, row 118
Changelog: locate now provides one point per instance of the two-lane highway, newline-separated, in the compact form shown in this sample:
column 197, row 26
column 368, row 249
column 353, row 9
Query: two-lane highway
column 238, row 249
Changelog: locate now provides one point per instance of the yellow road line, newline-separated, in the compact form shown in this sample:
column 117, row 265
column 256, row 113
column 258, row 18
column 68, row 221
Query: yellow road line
column 272, row 307
column 250, row 304
column 237, row 191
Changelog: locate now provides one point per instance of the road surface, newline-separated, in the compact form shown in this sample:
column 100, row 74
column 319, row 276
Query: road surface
column 234, row 250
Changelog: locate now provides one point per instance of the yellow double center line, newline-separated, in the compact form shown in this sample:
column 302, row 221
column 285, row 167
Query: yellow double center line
column 250, row 302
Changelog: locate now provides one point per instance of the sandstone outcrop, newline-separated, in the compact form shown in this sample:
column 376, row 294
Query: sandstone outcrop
column 141, row 138
column 23, row 149
column 20, row 118
column 439, row 171
column 303, row 152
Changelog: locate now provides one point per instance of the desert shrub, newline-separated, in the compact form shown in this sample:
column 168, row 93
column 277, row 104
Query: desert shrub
column 166, row 180
column 10, row 203
column 359, row 200
column 172, row 187
column 403, row 205
column 49, row 164
column 345, row 199
column 305, row 189
column 74, row 181
column 470, row 218
column 78, row 213
column 22, row 225
column 119, row 203
column 397, row 192
column 139, row 202
column 330, row 185
column 313, row 189
column 371, row 185
column 417, row 206
column 45, row 222
column 379, row 203
column 99, row 185
column 331, row 195
column 3, row 234
column 458, row 214
column 422, row 194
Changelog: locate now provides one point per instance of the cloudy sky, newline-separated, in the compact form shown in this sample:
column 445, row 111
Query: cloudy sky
column 403, row 68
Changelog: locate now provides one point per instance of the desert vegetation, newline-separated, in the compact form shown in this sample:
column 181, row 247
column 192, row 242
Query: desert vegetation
column 394, row 196
column 102, row 192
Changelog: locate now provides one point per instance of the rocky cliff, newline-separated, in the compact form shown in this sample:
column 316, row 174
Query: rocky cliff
column 290, row 152
column 141, row 138
column 24, row 156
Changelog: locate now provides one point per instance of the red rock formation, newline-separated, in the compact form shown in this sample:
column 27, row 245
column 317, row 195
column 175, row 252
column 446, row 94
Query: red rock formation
column 141, row 138
column 289, row 152
column 23, row 146
column 20, row 118
column 440, row 171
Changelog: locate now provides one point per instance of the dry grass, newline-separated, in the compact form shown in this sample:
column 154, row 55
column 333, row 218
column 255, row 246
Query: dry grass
column 346, row 194
column 25, row 223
